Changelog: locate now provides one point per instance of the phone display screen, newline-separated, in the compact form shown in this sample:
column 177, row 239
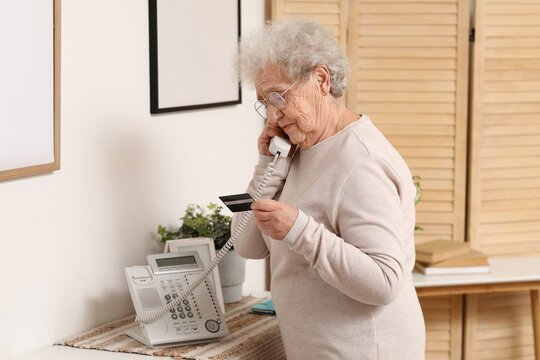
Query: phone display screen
column 176, row 261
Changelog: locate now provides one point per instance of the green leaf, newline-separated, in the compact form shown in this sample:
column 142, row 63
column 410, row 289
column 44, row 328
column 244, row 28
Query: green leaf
column 418, row 196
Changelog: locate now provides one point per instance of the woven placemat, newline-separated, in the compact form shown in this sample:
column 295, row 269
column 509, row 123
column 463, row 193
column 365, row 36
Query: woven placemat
column 251, row 337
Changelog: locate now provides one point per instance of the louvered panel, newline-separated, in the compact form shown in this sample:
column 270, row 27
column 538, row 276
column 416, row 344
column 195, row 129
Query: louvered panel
column 409, row 74
column 442, row 316
column 505, row 152
column 499, row 326
column 331, row 13
column 504, row 182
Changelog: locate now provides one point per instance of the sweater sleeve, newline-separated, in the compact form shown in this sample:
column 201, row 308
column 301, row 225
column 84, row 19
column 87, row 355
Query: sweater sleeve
column 366, row 260
column 250, row 243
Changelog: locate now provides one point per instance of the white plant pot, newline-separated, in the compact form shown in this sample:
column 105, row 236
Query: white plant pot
column 232, row 273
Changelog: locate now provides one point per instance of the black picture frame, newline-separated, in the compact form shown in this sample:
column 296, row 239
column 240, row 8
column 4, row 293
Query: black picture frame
column 192, row 44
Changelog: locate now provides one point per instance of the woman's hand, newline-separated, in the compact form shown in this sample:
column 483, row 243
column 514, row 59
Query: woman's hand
column 270, row 130
column 274, row 218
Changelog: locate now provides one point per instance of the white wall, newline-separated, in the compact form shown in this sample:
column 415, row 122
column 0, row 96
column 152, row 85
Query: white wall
column 65, row 237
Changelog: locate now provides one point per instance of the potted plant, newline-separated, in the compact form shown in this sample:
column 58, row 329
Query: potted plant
column 211, row 223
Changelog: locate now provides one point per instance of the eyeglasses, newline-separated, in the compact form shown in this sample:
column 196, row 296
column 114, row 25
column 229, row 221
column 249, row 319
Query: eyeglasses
column 275, row 99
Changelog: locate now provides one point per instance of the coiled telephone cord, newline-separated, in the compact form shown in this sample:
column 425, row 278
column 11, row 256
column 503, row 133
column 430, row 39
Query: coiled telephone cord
column 146, row 319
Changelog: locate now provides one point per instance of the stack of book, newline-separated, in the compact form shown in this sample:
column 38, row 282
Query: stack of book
column 440, row 257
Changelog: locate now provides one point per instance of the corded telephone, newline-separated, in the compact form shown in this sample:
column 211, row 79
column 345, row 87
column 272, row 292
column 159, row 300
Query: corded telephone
column 197, row 318
column 171, row 307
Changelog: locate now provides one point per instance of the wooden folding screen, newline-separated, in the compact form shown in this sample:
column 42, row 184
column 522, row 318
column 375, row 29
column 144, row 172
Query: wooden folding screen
column 410, row 73
column 504, row 182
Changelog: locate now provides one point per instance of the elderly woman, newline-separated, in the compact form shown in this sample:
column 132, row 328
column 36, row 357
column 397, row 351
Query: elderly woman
column 337, row 216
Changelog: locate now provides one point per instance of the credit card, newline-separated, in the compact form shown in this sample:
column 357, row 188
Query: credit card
column 238, row 202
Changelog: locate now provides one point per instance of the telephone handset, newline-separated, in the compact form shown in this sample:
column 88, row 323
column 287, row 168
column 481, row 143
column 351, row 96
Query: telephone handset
column 279, row 146
column 168, row 287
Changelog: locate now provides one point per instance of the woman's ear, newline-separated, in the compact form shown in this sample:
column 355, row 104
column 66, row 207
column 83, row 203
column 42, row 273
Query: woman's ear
column 322, row 75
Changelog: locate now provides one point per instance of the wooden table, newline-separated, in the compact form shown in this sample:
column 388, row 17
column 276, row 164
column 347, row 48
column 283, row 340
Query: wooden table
column 507, row 274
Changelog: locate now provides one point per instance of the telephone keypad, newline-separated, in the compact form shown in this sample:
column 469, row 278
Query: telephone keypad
column 186, row 313
column 171, row 290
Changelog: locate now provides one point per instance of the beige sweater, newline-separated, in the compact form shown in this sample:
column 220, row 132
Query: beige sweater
column 341, row 279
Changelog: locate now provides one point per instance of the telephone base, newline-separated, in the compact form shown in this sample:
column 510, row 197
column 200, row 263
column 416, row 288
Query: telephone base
column 137, row 334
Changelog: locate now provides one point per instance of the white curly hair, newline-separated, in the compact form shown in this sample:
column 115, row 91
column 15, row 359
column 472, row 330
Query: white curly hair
column 297, row 46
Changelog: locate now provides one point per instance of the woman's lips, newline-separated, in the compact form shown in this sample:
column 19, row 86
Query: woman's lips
column 286, row 127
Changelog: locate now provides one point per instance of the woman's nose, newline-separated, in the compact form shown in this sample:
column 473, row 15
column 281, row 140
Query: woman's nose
column 274, row 114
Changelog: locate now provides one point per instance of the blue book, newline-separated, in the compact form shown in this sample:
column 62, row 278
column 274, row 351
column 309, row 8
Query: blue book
column 264, row 308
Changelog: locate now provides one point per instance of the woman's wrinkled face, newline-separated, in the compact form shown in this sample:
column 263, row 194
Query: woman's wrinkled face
column 300, row 120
